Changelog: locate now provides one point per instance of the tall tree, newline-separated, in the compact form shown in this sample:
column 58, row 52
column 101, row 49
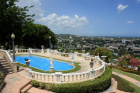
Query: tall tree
column 38, row 35
column 122, row 51
column 12, row 19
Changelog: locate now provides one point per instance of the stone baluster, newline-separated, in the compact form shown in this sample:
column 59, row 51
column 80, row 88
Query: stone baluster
column 58, row 77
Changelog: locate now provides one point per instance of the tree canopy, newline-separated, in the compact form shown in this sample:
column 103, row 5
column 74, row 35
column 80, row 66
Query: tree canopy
column 14, row 19
column 103, row 52
column 38, row 35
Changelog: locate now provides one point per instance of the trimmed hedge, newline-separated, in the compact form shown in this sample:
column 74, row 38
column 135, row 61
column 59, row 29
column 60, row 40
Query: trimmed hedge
column 91, row 86
column 123, row 85
column 130, row 70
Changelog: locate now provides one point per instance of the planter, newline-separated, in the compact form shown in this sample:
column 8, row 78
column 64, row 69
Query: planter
column 28, row 63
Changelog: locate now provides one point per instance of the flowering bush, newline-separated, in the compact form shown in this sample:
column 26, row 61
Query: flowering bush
column 103, row 52
column 125, row 60
column 134, row 62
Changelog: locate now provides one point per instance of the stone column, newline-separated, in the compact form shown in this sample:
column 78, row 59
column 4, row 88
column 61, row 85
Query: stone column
column 48, row 50
column 15, row 67
column 27, row 71
column 42, row 51
column 58, row 77
column 97, row 59
column 92, row 74
column 76, row 54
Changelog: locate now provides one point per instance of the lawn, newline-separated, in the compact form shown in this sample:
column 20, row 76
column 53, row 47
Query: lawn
column 127, row 74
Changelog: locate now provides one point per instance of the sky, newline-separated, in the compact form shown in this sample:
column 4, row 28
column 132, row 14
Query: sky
column 87, row 17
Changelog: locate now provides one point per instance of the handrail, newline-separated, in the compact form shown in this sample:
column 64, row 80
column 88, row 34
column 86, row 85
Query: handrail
column 8, row 58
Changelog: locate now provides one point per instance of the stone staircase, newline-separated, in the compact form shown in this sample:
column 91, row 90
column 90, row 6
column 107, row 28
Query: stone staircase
column 26, row 87
column 5, row 67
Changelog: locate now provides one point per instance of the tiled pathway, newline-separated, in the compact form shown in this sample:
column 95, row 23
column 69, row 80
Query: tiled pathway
column 136, row 82
column 13, row 83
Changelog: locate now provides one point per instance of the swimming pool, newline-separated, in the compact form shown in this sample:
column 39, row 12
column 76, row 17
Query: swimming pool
column 43, row 63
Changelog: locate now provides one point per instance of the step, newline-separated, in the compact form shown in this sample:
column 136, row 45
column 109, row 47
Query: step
column 6, row 72
column 5, row 69
column 2, row 58
column 5, row 66
column 26, row 88
column 4, row 63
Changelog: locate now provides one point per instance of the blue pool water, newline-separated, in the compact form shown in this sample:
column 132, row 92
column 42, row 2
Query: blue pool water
column 43, row 63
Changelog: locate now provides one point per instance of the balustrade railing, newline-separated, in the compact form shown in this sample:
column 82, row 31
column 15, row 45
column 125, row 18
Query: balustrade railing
column 4, row 54
column 67, row 78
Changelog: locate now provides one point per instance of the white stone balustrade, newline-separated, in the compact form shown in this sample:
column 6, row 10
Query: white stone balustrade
column 58, row 77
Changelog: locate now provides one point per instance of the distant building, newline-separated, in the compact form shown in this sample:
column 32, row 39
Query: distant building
column 123, row 41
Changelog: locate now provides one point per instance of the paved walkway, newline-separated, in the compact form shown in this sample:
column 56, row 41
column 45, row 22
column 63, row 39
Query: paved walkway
column 13, row 83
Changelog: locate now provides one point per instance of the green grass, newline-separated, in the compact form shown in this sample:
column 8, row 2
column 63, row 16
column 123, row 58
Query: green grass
column 77, row 67
column 123, row 85
column 127, row 74
column 137, row 89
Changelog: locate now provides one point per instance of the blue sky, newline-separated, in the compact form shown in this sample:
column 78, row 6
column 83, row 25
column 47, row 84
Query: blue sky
column 87, row 17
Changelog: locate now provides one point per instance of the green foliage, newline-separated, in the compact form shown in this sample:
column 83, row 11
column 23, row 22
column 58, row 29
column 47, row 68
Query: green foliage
column 124, row 60
column 38, row 34
column 1, row 77
column 103, row 52
column 138, row 67
column 42, row 85
column 123, row 85
column 18, row 67
column 91, row 86
column 122, row 51
column 34, row 83
column 130, row 70
column 12, row 19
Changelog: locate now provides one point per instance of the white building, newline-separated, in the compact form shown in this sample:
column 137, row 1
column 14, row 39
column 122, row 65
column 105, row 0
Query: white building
column 123, row 40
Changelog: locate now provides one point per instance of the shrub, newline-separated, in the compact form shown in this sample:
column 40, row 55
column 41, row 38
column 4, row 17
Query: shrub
column 90, row 86
column 1, row 77
column 42, row 85
column 123, row 85
column 138, row 67
column 34, row 83
column 18, row 67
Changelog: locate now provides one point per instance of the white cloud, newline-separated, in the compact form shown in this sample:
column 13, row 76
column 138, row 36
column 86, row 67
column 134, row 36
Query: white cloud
column 138, row 1
column 33, row 10
column 130, row 22
column 64, row 21
column 121, row 8
column 62, row 24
